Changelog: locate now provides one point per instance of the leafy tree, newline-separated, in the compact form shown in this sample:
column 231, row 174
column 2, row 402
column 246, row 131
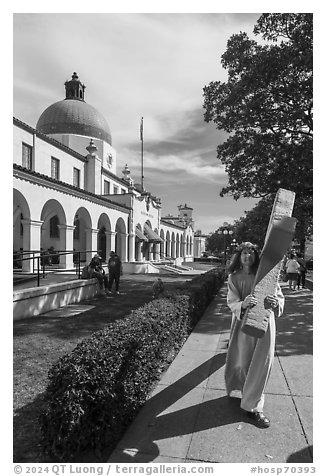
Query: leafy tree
column 215, row 242
column 254, row 225
column 266, row 107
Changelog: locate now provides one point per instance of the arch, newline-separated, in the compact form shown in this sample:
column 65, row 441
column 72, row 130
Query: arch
column 162, row 245
column 104, row 236
column 173, row 245
column 168, row 244
column 82, row 223
column 183, row 246
column 177, row 246
column 21, row 211
column 120, row 239
column 52, row 238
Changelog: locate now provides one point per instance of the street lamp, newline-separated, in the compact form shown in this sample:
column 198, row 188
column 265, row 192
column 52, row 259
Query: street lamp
column 225, row 231
column 234, row 244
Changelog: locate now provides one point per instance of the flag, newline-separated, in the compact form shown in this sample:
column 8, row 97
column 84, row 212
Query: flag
column 141, row 128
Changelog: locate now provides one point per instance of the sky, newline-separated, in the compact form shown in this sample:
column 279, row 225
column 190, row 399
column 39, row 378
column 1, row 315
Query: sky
column 150, row 65
column 153, row 65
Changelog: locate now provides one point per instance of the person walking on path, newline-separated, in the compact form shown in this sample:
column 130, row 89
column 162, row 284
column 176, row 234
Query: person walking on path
column 292, row 270
column 301, row 280
column 115, row 271
column 249, row 359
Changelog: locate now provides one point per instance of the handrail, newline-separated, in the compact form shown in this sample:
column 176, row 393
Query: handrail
column 41, row 261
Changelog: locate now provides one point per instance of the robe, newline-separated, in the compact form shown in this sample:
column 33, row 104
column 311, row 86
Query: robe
column 249, row 359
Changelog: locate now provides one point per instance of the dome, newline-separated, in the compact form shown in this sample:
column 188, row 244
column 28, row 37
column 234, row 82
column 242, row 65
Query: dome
column 74, row 116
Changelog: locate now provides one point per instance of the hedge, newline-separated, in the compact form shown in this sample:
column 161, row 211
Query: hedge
column 95, row 391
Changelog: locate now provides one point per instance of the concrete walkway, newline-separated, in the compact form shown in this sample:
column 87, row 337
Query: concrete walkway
column 188, row 418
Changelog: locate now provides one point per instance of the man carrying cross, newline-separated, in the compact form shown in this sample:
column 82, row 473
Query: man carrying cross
column 255, row 299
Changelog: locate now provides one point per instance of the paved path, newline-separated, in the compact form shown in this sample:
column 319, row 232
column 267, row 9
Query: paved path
column 189, row 418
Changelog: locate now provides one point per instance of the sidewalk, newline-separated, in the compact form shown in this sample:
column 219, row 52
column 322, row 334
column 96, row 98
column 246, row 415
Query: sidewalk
column 188, row 418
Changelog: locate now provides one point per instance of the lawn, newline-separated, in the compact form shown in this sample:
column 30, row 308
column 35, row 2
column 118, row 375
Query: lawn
column 40, row 341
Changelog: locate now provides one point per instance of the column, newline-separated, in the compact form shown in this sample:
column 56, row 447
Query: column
column 123, row 246
column 138, row 246
column 173, row 249
column 156, row 251
column 169, row 248
column 109, row 243
column 66, row 261
column 91, row 243
column 150, row 251
column 182, row 248
column 31, row 241
column 131, row 246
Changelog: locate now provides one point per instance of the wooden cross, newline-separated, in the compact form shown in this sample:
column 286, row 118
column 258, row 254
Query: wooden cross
column 278, row 239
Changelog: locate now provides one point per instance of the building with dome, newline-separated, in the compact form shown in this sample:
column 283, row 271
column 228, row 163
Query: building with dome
column 69, row 195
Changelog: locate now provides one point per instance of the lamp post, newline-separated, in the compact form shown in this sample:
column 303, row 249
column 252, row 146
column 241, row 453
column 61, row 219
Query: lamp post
column 234, row 244
column 226, row 232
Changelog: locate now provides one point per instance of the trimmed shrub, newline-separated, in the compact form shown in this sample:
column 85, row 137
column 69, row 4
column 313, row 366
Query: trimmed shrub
column 96, row 391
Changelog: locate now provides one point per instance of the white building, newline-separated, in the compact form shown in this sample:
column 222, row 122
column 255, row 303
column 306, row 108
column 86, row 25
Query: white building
column 67, row 194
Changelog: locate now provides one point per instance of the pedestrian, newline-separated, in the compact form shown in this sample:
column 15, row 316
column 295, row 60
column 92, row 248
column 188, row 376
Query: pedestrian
column 292, row 270
column 249, row 359
column 301, row 280
column 158, row 288
column 115, row 271
column 96, row 270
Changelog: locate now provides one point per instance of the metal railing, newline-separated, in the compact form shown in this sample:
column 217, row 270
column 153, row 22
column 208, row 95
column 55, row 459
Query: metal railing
column 41, row 259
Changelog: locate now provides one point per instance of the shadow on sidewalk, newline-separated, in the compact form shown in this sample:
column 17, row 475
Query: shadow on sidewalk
column 295, row 328
column 202, row 416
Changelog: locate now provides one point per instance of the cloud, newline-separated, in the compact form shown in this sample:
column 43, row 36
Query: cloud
column 191, row 165
column 151, row 65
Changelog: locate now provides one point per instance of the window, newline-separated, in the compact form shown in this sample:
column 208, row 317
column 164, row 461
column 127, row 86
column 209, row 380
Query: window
column 27, row 157
column 106, row 187
column 54, row 227
column 55, row 168
column 123, row 191
column 115, row 190
column 76, row 177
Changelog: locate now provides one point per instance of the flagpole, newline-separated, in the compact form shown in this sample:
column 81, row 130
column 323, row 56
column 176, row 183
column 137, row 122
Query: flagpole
column 142, row 152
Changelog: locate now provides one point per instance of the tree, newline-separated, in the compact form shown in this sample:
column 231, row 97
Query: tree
column 216, row 241
column 266, row 107
column 254, row 225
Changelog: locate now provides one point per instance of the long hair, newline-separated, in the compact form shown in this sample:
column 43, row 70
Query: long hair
column 235, row 264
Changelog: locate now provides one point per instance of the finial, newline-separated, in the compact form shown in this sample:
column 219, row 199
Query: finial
column 126, row 173
column 91, row 147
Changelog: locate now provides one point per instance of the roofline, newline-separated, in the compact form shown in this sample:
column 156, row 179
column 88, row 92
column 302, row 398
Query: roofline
column 65, row 148
column 164, row 222
column 115, row 177
column 48, row 139
column 115, row 205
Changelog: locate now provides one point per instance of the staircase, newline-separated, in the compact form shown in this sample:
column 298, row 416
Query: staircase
column 165, row 268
